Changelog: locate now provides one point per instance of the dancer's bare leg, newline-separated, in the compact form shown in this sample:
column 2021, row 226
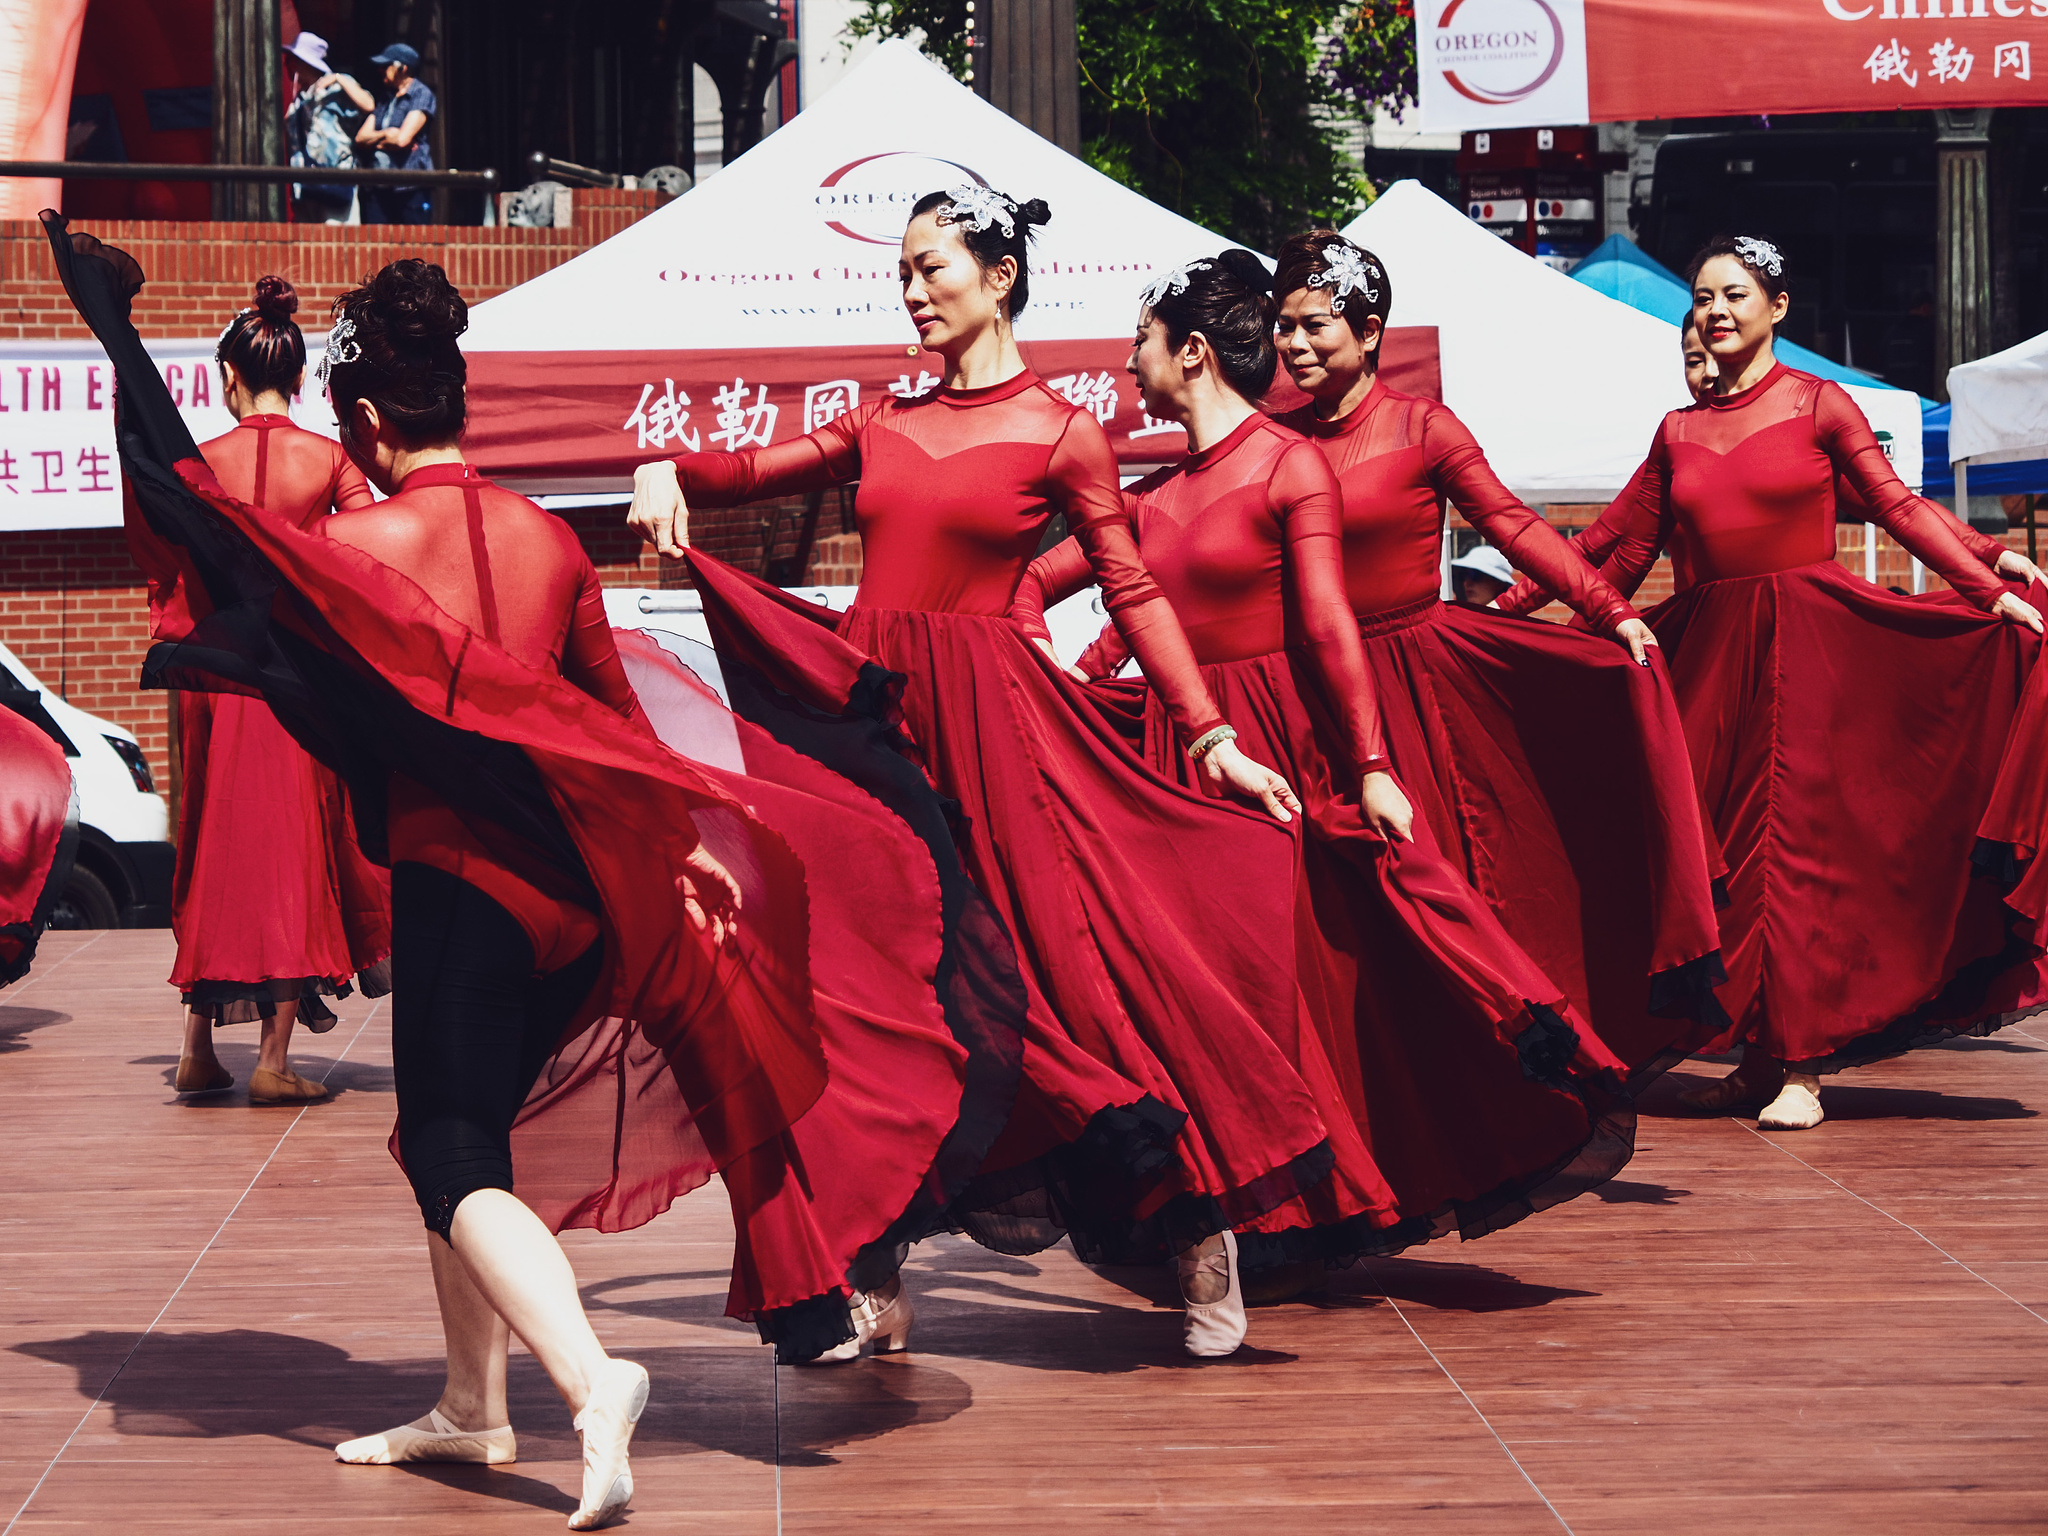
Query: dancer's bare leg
column 518, row 1271
column 478, row 1340
column 199, row 1069
column 274, row 1053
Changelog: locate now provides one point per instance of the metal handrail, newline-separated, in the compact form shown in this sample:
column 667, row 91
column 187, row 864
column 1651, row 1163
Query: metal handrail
column 318, row 175
column 542, row 166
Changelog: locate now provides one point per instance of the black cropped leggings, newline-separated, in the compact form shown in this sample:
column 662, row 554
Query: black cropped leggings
column 471, row 1028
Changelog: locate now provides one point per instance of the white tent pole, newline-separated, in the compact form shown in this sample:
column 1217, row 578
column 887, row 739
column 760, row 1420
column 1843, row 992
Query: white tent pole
column 1444, row 564
column 1919, row 575
column 1870, row 553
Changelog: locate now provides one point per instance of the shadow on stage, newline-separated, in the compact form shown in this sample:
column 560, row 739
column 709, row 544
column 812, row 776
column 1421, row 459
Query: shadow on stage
column 1845, row 1099
column 239, row 1057
column 18, row 1022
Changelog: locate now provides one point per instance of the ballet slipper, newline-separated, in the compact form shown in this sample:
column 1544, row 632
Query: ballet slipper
column 193, row 1078
column 434, row 1438
column 1745, row 1087
column 268, row 1087
column 881, row 1318
column 1213, row 1328
column 1796, row 1108
column 606, row 1423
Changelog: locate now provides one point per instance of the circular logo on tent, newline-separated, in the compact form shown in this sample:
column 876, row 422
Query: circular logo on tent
column 1497, row 51
column 870, row 199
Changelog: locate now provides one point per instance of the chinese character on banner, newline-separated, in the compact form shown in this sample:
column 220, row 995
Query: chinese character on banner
column 9, row 475
column 1154, row 426
column 1095, row 393
column 2015, row 57
column 92, row 463
column 903, row 389
column 1945, row 61
column 660, row 420
column 829, row 401
column 1888, row 61
column 47, row 455
column 740, row 423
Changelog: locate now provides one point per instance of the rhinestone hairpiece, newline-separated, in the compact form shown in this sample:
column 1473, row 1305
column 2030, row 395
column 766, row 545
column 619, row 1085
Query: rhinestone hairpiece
column 1759, row 255
column 1175, row 281
column 225, row 331
column 1348, row 272
column 978, row 207
column 342, row 347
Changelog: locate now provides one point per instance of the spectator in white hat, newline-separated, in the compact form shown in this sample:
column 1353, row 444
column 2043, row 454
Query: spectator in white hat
column 320, row 127
column 1480, row 576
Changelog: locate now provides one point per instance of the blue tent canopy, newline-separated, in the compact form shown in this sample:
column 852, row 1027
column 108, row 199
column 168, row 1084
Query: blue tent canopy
column 1619, row 269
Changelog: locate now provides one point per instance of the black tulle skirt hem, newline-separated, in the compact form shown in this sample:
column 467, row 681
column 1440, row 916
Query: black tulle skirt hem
column 805, row 1330
column 248, row 1002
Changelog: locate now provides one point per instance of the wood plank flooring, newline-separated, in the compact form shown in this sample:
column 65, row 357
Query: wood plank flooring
column 1844, row 1330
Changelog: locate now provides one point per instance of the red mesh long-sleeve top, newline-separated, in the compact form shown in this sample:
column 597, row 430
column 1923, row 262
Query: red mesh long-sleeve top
column 1398, row 457
column 1744, row 485
column 1246, row 537
column 956, row 487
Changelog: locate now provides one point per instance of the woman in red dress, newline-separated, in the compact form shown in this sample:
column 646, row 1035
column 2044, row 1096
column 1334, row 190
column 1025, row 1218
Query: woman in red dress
column 1845, row 798
column 38, row 835
column 1156, row 994
column 273, row 905
column 1549, row 765
column 575, row 993
column 1438, row 1043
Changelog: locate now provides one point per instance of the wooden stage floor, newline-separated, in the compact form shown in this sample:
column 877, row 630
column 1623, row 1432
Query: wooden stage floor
column 1843, row 1330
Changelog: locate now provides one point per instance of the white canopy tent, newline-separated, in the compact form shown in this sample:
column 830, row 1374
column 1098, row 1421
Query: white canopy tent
column 764, row 302
column 1563, row 386
column 1998, row 410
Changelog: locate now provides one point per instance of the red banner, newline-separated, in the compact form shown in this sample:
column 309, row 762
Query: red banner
column 571, row 421
column 1711, row 58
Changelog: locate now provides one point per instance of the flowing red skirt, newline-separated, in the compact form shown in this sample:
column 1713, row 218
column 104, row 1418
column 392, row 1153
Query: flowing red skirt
column 1150, row 924
column 1847, row 741
column 270, row 884
column 1479, row 1091
column 35, row 798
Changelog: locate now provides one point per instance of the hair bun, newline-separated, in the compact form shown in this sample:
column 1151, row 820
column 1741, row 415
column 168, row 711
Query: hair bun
column 417, row 304
column 1034, row 212
column 1247, row 269
column 276, row 299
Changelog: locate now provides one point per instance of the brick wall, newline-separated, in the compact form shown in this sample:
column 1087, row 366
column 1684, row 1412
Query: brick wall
column 72, row 603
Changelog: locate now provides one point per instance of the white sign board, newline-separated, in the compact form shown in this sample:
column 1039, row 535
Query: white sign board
column 1500, row 63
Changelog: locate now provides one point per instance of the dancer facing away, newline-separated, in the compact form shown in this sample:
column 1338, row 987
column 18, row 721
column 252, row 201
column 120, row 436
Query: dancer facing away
column 1437, row 1041
column 1846, row 801
column 563, row 938
column 274, row 906
column 1155, row 993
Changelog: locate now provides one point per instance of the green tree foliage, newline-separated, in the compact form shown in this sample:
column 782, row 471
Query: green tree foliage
column 1228, row 111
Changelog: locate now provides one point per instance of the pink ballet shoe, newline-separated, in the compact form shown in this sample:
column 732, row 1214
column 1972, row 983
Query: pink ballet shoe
column 606, row 1424
column 1796, row 1108
column 434, row 1438
column 1215, row 1328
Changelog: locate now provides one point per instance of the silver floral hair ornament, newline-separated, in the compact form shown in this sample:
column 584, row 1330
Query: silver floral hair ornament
column 228, row 330
column 978, row 207
column 1175, row 281
column 1759, row 255
column 1347, row 271
column 342, row 347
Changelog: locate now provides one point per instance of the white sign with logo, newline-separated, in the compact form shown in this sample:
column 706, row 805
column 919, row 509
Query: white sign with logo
column 58, row 464
column 1500, row 63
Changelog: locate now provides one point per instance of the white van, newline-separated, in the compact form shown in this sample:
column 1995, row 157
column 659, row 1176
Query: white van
column 125, row 857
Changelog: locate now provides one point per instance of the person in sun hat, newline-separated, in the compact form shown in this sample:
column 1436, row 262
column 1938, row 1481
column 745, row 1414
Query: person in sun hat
column 320, row 127
column 1480, row 575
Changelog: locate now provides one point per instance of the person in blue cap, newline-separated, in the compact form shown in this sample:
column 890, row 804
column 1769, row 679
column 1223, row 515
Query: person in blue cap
column 395, row 135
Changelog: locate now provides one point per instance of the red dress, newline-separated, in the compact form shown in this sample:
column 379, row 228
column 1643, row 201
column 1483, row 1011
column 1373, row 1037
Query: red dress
column 35, row 801
column 1550, row 768
column 1436, row 1040
column 1135, row 905
column 272, row 900
column 1846, row 740
column 684, row 1060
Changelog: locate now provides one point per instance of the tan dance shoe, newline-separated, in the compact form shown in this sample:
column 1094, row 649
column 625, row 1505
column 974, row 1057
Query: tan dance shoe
column 1746, row 1087
column 433, row 1438
column 606, row 1424
column 268, row 1087
column 192, row 1078
column 1796, row 1108
column 881, row 1318
column 1211, row 1328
